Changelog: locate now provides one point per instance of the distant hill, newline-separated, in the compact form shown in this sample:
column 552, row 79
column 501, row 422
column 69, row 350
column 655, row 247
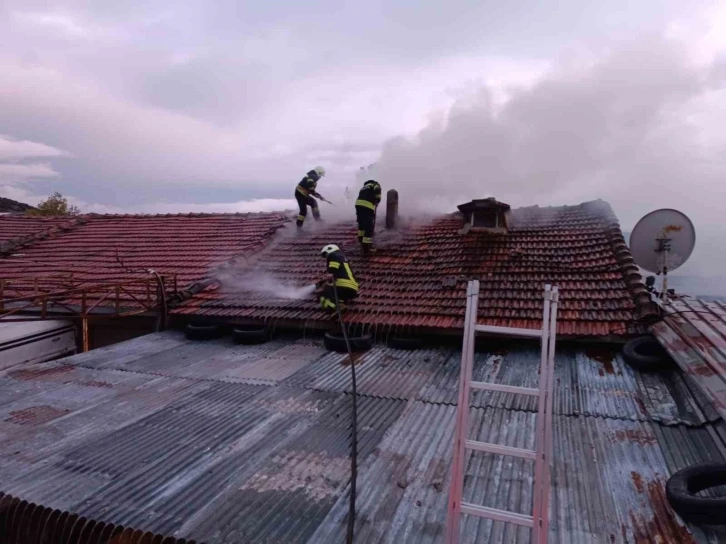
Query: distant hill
column 12, row 206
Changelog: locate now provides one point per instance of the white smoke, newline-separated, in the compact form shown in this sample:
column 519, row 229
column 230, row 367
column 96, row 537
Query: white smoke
column 631, row 125
column 261, row 283
column 639, row 126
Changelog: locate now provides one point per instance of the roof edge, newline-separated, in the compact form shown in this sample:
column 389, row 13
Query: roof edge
column 97, row 216
column 644, row 306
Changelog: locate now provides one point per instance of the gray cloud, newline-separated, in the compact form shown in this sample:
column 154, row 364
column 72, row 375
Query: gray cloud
column 11, row 149
column 220, row 60
column 202, row 105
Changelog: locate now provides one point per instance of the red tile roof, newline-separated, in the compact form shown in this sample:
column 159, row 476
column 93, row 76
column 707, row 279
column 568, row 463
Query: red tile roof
column 419, row 278
column 15, row 227
column 186, row 245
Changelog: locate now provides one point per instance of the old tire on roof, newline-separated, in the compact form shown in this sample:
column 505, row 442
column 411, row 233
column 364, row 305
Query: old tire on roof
column 681, row 492
column 334, row 341
column 202, row 331
column 645, row 354
column 403, row 343
column 250, row 335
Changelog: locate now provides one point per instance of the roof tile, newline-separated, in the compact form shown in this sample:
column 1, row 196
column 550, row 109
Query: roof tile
column 419, row 277
column 108, row 248
column 417, row 281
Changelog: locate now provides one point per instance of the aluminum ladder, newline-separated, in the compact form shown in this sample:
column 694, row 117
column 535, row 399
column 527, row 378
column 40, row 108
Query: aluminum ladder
column 542, row 456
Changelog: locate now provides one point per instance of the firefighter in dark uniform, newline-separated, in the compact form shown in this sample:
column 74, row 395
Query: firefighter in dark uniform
column 342, row 275
column 365, row 210
column 304, row 193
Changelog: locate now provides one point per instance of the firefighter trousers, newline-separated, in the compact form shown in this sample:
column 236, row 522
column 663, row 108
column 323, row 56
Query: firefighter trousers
column 327, row 297
column 366, row 225
column 303, row 201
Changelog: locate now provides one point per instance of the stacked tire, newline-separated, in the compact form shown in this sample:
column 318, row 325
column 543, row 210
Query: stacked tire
column 250, row 335
column 682, row 492
column 335, row 341
column 203, row 331
column 645, row 354
column 241, row 335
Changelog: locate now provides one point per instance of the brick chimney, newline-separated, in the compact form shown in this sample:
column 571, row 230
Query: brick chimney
column 486, row 215
column 391, row 209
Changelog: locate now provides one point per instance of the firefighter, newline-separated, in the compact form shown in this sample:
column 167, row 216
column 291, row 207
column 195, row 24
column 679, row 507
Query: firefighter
column 365, row 210
column 304, row 193
column 341, row 274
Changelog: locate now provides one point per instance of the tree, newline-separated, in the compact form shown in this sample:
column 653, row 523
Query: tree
column 56, row 204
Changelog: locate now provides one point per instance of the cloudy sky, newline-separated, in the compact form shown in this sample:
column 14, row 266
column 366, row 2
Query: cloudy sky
column 223, row 105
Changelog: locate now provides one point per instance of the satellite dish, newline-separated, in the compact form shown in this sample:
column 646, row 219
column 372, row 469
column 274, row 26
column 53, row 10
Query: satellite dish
column 662, row 241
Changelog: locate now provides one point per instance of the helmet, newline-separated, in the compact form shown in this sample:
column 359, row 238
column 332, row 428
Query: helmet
column 330, row 248
column 319, row 170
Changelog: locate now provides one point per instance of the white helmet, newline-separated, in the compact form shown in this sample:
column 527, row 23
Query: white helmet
column 330, row 248
column 319, row 170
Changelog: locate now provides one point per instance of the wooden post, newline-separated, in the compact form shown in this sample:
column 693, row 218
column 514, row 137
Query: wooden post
column 84, row 323
column 391, row 209
column 161, row 304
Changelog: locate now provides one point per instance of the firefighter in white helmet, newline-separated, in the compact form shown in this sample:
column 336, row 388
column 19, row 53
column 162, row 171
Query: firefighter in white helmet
column 305, row 194
column 340, row 275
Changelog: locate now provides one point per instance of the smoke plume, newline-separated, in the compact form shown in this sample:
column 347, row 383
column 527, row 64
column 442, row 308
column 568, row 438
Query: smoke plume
column 639, row 126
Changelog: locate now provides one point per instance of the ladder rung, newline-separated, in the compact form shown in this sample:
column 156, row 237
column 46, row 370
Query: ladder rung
column 501, row 450
column 507, row 331
column 497, row 515
column 487, row 386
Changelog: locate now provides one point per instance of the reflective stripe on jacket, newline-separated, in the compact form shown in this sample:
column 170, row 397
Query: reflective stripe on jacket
column 340, row 269
column 365, row 204
column 370, row 195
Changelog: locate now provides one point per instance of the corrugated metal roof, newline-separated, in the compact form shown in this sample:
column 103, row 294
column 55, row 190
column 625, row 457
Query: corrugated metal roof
column 694, row 333
column 257, row 450
column 591, row 380
column 608, row 480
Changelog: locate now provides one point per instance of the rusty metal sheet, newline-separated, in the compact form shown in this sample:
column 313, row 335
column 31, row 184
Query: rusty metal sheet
column 695, row 336
column 608, row 480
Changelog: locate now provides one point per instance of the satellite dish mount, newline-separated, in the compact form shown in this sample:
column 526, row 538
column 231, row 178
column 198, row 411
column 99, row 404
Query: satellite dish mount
column 664, row 248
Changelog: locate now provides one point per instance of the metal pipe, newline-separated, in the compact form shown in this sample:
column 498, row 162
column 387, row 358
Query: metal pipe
column 665, row 246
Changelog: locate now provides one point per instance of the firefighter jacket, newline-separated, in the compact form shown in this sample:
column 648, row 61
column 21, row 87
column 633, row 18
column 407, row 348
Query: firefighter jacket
column 339, row 268
column 308, row 184
column 370, row 195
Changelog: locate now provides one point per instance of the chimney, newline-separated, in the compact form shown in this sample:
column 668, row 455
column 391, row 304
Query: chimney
column 486, row 215
column 391, row 209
